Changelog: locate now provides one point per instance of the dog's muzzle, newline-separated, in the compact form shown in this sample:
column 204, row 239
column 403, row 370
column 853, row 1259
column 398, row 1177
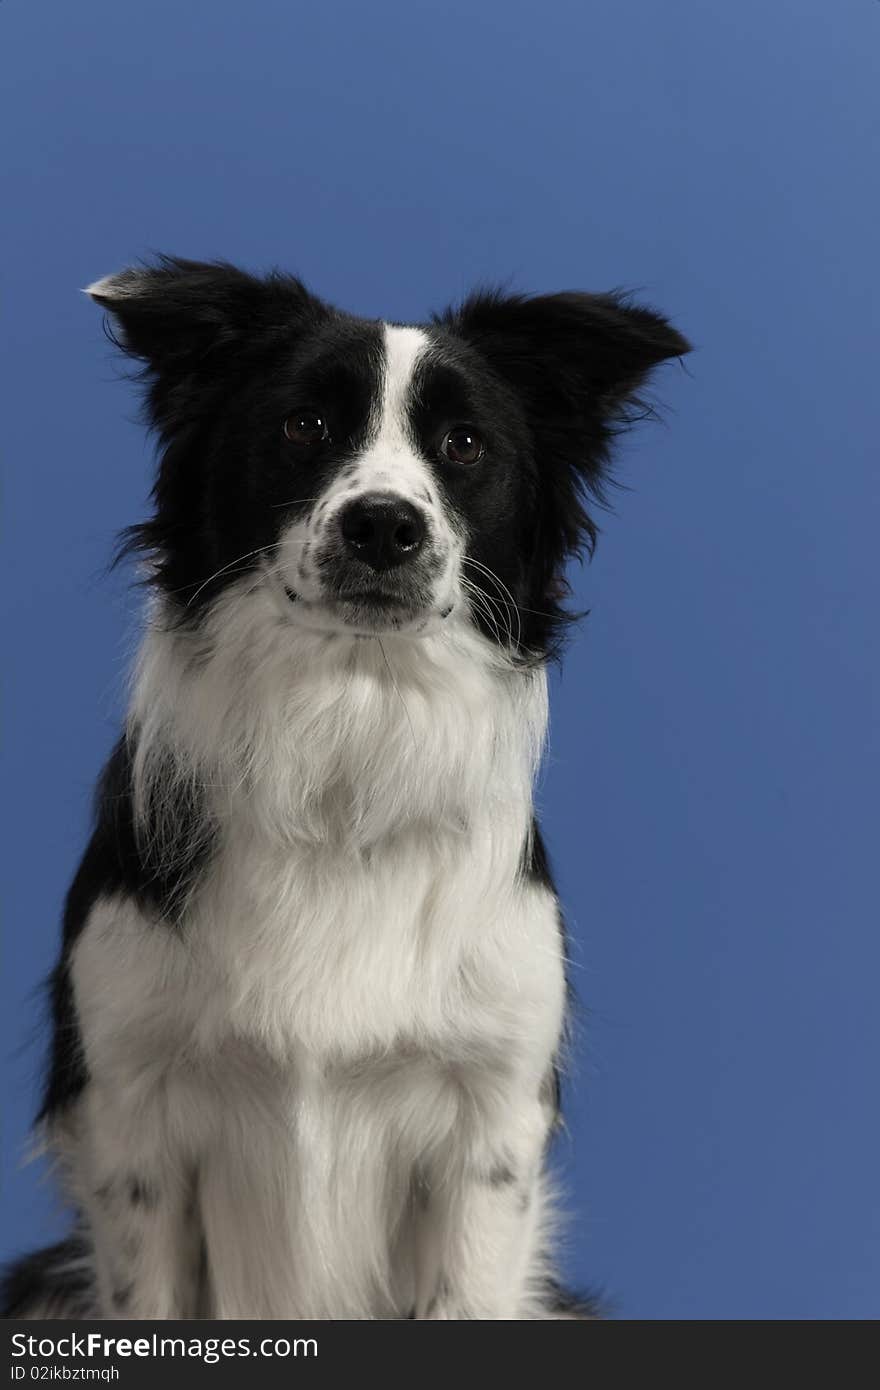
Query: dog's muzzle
column 378, row 562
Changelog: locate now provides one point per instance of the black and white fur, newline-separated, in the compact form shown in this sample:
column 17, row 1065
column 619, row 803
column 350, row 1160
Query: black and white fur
column 311, row 996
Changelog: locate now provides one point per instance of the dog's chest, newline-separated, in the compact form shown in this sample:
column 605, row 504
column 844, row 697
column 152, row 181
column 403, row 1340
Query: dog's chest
column 341, row 951
column 432, row 939
column 365, row 883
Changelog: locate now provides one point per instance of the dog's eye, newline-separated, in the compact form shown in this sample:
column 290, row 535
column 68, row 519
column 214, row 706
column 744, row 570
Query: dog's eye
column 462, row 445
column 306, row 427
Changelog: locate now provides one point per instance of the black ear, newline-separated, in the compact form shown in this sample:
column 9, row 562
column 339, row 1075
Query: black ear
column 597, row 348
column 187, row 321
column 576, row 362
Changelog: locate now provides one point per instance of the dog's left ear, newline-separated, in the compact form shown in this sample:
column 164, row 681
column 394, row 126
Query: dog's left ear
column 595, row 350
column 576, row 362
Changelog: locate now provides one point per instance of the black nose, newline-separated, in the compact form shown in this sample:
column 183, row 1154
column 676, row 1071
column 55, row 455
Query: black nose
column 382, row 530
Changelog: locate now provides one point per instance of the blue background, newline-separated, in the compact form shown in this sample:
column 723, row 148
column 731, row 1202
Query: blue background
column 711, row 798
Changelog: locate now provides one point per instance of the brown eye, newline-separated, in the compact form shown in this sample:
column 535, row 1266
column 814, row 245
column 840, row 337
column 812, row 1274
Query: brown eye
column 462, row 445
column 306, row 428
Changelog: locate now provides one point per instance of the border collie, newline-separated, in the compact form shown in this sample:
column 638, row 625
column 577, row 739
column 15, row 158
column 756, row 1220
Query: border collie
column 310, row 1000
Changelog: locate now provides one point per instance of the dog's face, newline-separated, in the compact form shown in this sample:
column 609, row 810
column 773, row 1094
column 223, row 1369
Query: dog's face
column 395, row 462
column 376, row 477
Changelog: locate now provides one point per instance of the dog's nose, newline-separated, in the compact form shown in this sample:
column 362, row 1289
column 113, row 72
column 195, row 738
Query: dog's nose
column 382, row 530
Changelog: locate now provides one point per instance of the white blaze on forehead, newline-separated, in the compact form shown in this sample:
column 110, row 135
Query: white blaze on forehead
column 403, row 348
column 390, row 461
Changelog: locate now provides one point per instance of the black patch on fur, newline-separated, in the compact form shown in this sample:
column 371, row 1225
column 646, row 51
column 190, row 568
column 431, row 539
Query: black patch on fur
column 54, row 1280
column 66, row 1074
column 117, row 861
column 536, row 868
column 122, row 1296
column 501, row 1175
column 536, row 861
column 588, row 1305
column 142, row 1193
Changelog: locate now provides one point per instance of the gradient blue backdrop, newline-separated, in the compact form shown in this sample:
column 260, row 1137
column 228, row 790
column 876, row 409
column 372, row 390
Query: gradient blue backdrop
column 711, row 798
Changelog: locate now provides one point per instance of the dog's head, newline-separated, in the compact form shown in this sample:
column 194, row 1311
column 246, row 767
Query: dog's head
column 379, row 478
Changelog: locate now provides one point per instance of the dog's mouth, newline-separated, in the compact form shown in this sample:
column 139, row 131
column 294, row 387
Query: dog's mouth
column 371, row 611
column 363, row 598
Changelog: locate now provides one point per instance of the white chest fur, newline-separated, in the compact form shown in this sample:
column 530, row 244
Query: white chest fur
column 372, row 805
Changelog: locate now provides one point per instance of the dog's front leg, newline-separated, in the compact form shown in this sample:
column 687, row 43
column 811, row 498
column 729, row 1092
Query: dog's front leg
column 480, row 1235
column 139, row 1202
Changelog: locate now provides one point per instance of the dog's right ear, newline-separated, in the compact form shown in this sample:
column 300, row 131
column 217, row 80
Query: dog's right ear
column 188, row 320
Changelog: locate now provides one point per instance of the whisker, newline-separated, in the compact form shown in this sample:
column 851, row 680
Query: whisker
column 260, row 550
column 502, row 588
column 485, row 613
column 399, row 693
column 502, row 610
column 266, row 571
column 239, row 560
column 483, row 601
column 536, row 612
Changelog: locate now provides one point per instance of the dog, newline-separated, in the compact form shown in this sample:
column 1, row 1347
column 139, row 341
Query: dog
column 309, row 1011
